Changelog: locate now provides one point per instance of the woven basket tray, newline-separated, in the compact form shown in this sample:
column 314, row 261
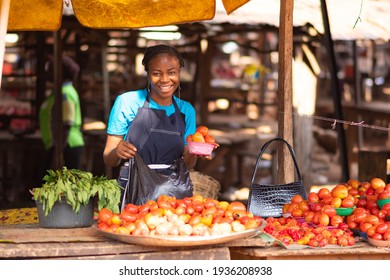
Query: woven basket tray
column 206, row 186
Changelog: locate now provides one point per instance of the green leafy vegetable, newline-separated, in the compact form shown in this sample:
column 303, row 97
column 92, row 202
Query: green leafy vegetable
column 77, row 187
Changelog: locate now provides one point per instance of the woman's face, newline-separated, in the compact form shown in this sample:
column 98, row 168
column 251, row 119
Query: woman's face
column 164, row 78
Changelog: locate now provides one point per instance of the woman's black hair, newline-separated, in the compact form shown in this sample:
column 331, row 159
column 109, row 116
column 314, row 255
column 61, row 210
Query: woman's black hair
column 160, row 49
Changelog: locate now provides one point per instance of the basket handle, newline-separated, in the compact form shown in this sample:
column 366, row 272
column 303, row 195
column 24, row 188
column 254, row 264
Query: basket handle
column 292, row 153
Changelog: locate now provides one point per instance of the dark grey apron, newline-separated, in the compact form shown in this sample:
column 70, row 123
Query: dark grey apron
column 159, row 140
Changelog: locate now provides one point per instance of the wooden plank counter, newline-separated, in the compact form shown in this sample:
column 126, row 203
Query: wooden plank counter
column 33, row 242
column 362, row 252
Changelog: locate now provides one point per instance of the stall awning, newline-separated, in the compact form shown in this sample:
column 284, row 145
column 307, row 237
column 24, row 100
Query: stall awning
column 110, row 14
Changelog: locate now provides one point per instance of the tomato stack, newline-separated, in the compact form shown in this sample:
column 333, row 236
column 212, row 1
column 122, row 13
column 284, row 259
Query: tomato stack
column 201, row 143
column 360, row 207
column 190, row 216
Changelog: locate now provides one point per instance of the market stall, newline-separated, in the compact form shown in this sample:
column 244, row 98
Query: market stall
column 20, row 241
column 347, row 221
column 31, row 242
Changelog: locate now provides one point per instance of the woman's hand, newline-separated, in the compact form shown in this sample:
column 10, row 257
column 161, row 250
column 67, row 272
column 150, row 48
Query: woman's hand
column 117, row 149
column 125, row 150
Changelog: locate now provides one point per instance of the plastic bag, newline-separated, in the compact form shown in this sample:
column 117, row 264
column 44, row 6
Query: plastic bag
column 142, row 183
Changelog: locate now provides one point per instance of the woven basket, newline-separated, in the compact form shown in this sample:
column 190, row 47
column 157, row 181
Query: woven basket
column 205, row 185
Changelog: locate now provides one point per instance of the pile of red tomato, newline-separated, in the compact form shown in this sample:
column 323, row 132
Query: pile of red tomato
column 290, row 230
column 189, row 216
column 366, row 217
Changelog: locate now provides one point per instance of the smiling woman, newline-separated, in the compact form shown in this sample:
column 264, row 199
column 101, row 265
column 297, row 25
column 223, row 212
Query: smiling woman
column 149, row 128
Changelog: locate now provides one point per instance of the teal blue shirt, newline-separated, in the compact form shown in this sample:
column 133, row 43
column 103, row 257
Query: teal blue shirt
column 126, row 106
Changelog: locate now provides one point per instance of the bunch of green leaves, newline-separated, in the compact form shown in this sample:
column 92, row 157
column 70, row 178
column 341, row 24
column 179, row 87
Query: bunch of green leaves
column 108, row 192
column 76, row 188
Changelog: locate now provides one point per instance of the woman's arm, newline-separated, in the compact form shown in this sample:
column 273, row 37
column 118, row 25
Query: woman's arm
column 117, row 149
column 189, row 159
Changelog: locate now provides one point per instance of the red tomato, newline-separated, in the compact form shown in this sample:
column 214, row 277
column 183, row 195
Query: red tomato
column 313, row 197
column 328, row 199
column 324, row 219
column 228, row 220
column 296, row 199
column 347, row 203
column 381, row 214
column 164, row 204
column 198, row 207
column 309, row 217
column 112, row 228
column 128, row 217
column 351, row 218
column 144, row 208
column 371, row 231
column 342, row 241
column 190, row 210
column 198, row 137
column 297, row 213
column 362, row 202
column 352, row 225
column 343, row 226
column 386, row 235
column 371, row 204
column 386, row 206
column 336, row 220
column 209, row 202
column 180, row 210
column 381, row 228
column 203, row 130
column 340, row 191
column 329, row 210
column 102, row 226
column 209, row 139
column 377, row 236
column 377, row 183
column 323, row 192
column 152, row 205
column 195, row 220
column 189, row 138
column 187, row 201
column 351, row 240
column 364, row 226
column 210, row 211
column 131, row 208
column 105, row 215
column 360, row 217
column 236, row 205
column 372, row 219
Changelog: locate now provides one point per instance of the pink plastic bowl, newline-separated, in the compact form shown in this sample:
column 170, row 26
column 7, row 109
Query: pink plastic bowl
column 200, row 148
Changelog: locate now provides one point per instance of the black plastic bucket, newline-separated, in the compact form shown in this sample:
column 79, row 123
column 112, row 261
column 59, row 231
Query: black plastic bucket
column 63, row 216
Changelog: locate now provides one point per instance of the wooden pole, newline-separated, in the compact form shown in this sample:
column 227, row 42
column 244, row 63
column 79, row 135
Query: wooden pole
column 58, row 129
column 4, row 14
column 336, row 93
column 286, row 170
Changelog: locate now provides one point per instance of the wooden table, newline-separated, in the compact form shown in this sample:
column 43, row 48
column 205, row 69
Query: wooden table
column 363, row 251
column 32, row 242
